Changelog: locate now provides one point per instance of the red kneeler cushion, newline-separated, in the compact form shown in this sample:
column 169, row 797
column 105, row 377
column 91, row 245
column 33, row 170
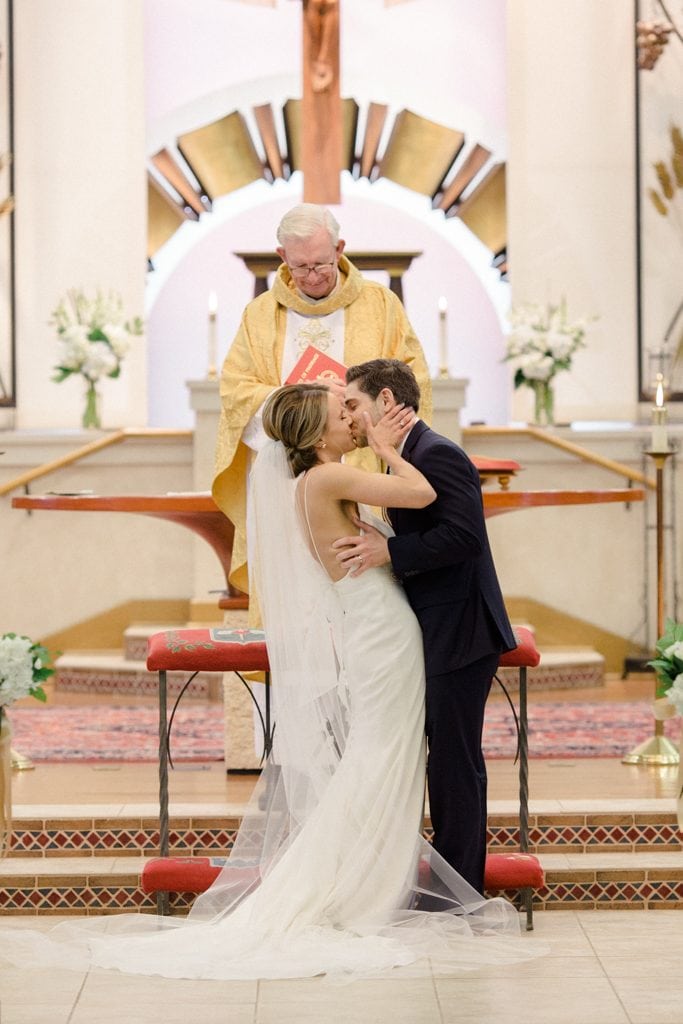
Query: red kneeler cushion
column 525, row 654
column 187, row 874
column 208, row 650
column 502, row 871
column 513, row 871
column 196, row 874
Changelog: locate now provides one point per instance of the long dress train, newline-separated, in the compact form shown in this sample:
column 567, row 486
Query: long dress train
column 327, row 877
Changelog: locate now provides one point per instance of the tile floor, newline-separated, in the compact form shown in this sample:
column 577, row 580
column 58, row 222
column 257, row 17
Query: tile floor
column 602, row 967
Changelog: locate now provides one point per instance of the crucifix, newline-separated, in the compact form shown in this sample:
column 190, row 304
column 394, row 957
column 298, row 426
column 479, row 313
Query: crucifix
column 321, row 116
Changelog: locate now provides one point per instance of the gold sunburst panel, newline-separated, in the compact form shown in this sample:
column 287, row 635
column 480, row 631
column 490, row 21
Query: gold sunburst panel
column 459, row 175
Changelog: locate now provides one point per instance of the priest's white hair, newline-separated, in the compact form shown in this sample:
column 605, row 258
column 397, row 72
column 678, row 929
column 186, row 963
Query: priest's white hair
column 303, row 220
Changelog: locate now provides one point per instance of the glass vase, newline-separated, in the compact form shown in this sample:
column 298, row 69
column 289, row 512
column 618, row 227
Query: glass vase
column 91, row 413
column 5, row 783
column 544, row 403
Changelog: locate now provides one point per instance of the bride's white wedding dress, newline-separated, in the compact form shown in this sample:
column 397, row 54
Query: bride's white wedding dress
column 328, row 876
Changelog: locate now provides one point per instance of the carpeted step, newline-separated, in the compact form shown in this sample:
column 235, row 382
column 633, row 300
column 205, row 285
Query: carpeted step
column 560, row 669
column 96, row 672
column 136, row 635
column 116, row 672
column 127, row 730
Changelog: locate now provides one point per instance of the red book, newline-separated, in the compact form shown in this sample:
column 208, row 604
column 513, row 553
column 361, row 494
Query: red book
column 315, row 365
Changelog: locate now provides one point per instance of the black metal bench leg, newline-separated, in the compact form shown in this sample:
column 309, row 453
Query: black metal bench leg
column 163, row 900
column 525, row 895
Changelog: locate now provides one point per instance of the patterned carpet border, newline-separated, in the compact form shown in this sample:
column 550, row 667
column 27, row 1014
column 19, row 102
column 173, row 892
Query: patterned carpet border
column 86, row 734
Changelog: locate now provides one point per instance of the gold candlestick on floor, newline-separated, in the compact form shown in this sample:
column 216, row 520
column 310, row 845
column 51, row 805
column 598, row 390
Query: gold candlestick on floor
column 658, row 750
column 19, row 762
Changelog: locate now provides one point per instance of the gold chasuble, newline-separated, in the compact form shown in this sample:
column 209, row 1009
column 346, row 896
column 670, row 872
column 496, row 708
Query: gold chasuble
column 375, row 326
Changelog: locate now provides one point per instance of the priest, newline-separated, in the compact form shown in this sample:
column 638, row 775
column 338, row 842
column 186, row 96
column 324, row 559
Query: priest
column 318, row 298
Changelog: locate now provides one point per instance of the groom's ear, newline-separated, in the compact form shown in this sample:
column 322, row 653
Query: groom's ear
column 386, row 397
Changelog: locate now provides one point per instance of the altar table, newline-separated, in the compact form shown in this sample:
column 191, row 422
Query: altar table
column 197, row 511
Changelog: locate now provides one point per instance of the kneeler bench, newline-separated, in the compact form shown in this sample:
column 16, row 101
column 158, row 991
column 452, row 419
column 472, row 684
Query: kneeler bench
column 194, row 651
column 242, row 650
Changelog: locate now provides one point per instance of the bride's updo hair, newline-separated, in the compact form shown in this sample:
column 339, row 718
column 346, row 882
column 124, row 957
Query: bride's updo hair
column 296, row 414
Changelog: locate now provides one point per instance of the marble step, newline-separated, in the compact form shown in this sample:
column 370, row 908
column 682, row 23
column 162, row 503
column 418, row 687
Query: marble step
column 643, row 826
column 572, row 668
column 560, row 668
column 95, row 885
column 97, row 672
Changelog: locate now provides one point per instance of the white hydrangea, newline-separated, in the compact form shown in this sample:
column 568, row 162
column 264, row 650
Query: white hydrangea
column 675, row 692
column 542, row 341
column 16, row 668
column 99, row 361
column 93, row 335
column 675, row 650
column 560, row 345
column 536, row 367
column 74, row 347
column 118, row 337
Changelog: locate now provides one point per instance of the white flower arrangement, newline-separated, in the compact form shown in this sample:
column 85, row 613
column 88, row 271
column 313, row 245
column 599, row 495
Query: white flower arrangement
column 23, row 668
column 542, row 342
column 668, row 664
column 93, row 335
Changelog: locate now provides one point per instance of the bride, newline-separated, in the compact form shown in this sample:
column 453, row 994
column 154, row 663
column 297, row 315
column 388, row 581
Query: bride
column 329, row 868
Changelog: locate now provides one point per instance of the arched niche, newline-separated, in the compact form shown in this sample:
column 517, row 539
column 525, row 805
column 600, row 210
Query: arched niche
column 199, row 259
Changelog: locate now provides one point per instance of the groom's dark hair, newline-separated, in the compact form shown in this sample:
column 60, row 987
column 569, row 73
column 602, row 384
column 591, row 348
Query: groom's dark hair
column 377, row 374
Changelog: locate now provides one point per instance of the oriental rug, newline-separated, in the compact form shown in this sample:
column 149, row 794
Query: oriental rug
column 100, row 733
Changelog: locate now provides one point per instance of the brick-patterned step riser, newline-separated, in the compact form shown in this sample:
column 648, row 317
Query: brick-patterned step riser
column 93, row 892
column 206, row 836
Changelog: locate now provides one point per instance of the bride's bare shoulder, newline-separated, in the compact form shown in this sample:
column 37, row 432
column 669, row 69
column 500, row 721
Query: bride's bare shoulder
column 331, row 476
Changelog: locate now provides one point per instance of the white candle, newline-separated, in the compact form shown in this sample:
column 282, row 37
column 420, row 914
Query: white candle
column 443, row 338
column 659, row 441
column 213, row 309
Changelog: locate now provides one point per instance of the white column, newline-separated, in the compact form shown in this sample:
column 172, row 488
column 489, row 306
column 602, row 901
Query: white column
column 571, row 190
column 80, row 191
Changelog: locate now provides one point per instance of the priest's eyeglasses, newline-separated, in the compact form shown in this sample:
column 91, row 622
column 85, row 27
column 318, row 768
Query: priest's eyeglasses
column 318, row 268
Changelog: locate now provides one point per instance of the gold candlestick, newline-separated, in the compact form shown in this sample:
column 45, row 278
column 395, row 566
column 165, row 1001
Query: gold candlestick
column 658, row 750
column 211, row 373
column 20, row 762
column 443, row 339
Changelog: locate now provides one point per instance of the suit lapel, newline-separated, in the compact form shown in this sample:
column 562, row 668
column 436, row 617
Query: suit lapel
column 413, row 437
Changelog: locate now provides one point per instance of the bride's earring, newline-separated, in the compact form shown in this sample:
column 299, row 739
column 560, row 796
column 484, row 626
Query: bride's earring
column 323, row 444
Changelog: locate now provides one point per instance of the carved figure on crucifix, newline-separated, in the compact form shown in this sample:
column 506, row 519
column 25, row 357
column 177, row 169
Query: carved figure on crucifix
column 322, row 24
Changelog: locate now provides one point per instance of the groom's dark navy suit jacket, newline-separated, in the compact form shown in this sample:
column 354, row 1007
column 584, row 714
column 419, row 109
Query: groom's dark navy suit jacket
column 441, row 554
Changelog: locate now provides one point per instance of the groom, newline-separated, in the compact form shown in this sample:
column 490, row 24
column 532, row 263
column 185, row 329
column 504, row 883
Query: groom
column 441, row 555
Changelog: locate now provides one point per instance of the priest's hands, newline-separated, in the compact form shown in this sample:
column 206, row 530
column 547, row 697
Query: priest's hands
column 364, row 551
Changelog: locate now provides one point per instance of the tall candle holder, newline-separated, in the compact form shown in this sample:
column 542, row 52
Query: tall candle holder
column 211, row 372
column 444, row 373
column 658, row 750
